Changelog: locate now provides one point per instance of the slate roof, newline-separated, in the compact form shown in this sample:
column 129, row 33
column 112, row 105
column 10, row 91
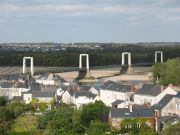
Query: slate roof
column 117, row 87
column 163, row 102
column 84, row 87
column 12, row 77
column 150, row 89
column 136, row 112
column 21, row 85
column 49, row 88
column 6, row 85
column 35, row 87
column 43, row 94
column 178, row 95
column 106, row 84
column 84, row 93
column 79, row 87
column 117, row 102
column 169, row 119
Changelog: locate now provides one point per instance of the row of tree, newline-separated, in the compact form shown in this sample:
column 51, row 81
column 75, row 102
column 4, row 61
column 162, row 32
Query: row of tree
column 168, row 72
column 92, row 119
column 9, row 112
column 110, row 55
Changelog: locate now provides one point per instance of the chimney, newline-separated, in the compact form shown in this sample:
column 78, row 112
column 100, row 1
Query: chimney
column 130, row 107
column 170, row 85
column 162, row 88
column 78, row 88
column 133, row 88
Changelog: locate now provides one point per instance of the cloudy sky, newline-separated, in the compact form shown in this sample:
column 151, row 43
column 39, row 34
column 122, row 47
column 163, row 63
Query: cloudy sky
column 89, row 20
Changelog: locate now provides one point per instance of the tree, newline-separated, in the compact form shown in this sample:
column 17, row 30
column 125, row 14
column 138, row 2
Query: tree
column 168, row 72
column 98, row 128
column 77, row 125
column 58, row 121
column 172, row 130
column 96, row 111
column 2, row 101
column 26, row 123
column 43, row 120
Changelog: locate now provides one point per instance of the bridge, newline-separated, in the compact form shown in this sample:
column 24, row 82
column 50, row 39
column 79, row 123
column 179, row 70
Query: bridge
column 40, row 70
column 80, row 69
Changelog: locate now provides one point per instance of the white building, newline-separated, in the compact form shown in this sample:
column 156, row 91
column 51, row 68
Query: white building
column 83, row 98
column 38, row 98
column 152, row 94
column 67, row 97
column 121, row 104
column 50, row 79
column 110, row 92
column 79, row 98
column 11, row 90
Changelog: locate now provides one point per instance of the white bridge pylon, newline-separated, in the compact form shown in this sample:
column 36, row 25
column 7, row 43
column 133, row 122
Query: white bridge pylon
column 87, row 61
column 129, row 58
column 156, row 56
column 32, row 65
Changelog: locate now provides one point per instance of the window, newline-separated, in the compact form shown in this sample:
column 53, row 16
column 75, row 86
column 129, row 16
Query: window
column 37, row 107
column 147, row 124
column 137, row 125
column 48, row 107
column 28, row 98
column 37, row 100
column 156, row 113
column 47, row 100
column 128, row 126
column 177, row 106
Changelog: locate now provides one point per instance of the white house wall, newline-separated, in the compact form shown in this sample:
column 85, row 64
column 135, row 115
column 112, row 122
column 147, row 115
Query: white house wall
column 82, row 100
column 67, row 98
column 93, row 91
column 108, row 96
column 27, row 98
column 143, row 99
column 46, row 82
column 168, row 90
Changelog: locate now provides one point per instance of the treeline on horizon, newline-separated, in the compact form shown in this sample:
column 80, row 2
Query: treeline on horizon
column 110, row 55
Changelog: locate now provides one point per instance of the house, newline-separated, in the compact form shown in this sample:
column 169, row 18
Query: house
column 40, row 100
column 117, row 116
column 110, row 92
column 50, row 79
column 81, row 98
column 165, row 121
column 121, row 104
column 169, row 105
column 151, row 94
column 10, row 89
column 95, row 89
column 67, row 97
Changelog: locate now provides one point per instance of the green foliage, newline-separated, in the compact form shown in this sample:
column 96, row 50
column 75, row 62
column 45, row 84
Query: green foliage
column 58, row 121
column 98, row 128
column 168, row 72
column 96, row 111
column 132, row 126
column 25, row 123
column 2, row 101
column 43, row 120
column 76, row 119
column 66, row 120
column 172, row 130
column 8, row 113
column 110, row 55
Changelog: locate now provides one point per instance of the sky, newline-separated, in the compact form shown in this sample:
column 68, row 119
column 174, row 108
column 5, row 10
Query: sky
column 67, row 21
